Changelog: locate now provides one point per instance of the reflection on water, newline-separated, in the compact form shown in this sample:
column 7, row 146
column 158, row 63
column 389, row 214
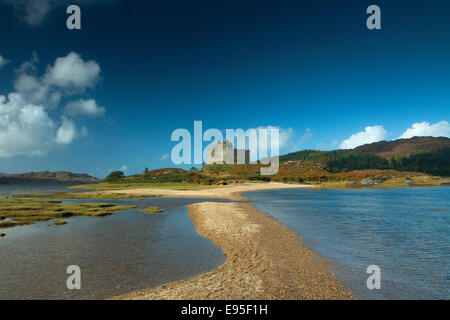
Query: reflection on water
column 395, row 229
column 117, row 254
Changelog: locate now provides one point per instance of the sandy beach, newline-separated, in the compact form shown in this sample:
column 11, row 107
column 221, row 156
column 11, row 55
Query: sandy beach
column 231, row 192
column 265, row 260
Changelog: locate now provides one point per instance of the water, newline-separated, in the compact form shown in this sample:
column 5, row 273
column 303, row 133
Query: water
column 395, row 229
column 117, row 254
column 10, row 189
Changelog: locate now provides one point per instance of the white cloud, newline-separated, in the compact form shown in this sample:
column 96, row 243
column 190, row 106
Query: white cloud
column 68, row 75
column 66, row 132
column 3, row 61
column 72, row 72
column 82, row 107
column 164, row 157
column 34, row 12
column 123, row 168
column 25, row 129
column 369, row 135
column 29, row 66
column 31, row 88
column 425, row 129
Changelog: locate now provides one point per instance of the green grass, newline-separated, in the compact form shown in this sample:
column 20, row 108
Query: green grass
column 420, row 180
column 152, row 209
column 80, row 195
column 8, row 224
column 21, row 212
column 142, row 185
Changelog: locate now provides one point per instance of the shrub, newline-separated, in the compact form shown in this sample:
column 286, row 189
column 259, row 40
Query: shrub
column 114, row 176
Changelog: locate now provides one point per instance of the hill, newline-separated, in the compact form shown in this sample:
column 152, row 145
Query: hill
column 47, row 178
column 420, row 154
column 404, row 147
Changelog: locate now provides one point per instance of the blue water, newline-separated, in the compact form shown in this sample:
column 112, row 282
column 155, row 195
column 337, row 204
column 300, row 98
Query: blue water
column 121, row 253
column 10, row 189
column 395, row 229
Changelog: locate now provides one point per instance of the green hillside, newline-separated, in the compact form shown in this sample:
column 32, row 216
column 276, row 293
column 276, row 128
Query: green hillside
column 434, row 160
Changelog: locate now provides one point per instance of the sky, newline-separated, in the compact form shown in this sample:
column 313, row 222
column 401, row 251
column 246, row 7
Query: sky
column 108, row 97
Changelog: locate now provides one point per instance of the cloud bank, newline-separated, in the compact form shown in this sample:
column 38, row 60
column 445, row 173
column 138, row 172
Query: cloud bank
column 378, row 133
column 26, row 127
column 425, row 129
column 369, row 135
column 67, row 132
column 68, row 76
column 72, row 73
column 88, row 108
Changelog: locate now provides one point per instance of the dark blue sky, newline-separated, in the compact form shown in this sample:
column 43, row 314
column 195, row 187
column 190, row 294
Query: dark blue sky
column 311, row 68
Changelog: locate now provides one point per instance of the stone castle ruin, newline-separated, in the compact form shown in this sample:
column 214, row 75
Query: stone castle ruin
column 224, row 152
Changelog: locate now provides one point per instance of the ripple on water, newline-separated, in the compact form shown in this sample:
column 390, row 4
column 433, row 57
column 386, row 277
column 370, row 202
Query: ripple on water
column 117, row 254
column 395, row 229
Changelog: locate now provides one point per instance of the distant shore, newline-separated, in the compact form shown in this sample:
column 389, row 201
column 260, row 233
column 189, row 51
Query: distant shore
column 265, row 260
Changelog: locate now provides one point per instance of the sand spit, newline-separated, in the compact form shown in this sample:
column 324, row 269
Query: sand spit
column 231, row 192
column 264, row 260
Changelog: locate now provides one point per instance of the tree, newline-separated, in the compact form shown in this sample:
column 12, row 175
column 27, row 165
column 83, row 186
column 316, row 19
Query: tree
column 114, row 176
column 146, row 170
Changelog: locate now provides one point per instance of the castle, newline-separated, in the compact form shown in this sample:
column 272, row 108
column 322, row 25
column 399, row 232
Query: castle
column 223, row 152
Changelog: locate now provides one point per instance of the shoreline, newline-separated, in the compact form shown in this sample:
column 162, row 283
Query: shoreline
column 265, row 260
column 230, row 192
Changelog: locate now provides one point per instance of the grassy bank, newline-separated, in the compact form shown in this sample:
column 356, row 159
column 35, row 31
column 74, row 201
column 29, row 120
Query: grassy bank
column 80, row 195
column 304, row 172
column 152, row 209
column 127, row 185
column 19, row 212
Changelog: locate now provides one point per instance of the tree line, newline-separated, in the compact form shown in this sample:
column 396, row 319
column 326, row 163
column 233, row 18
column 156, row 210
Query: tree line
column 433, row 162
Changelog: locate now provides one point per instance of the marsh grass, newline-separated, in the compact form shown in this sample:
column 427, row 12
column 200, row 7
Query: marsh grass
column 21, row 212
column 80, row 195
column 420, row 180
column 152, row 209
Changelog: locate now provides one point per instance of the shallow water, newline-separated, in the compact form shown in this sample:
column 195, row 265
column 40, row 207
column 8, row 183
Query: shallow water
column 9, row 189
column 395, row 229
column 117, row 254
